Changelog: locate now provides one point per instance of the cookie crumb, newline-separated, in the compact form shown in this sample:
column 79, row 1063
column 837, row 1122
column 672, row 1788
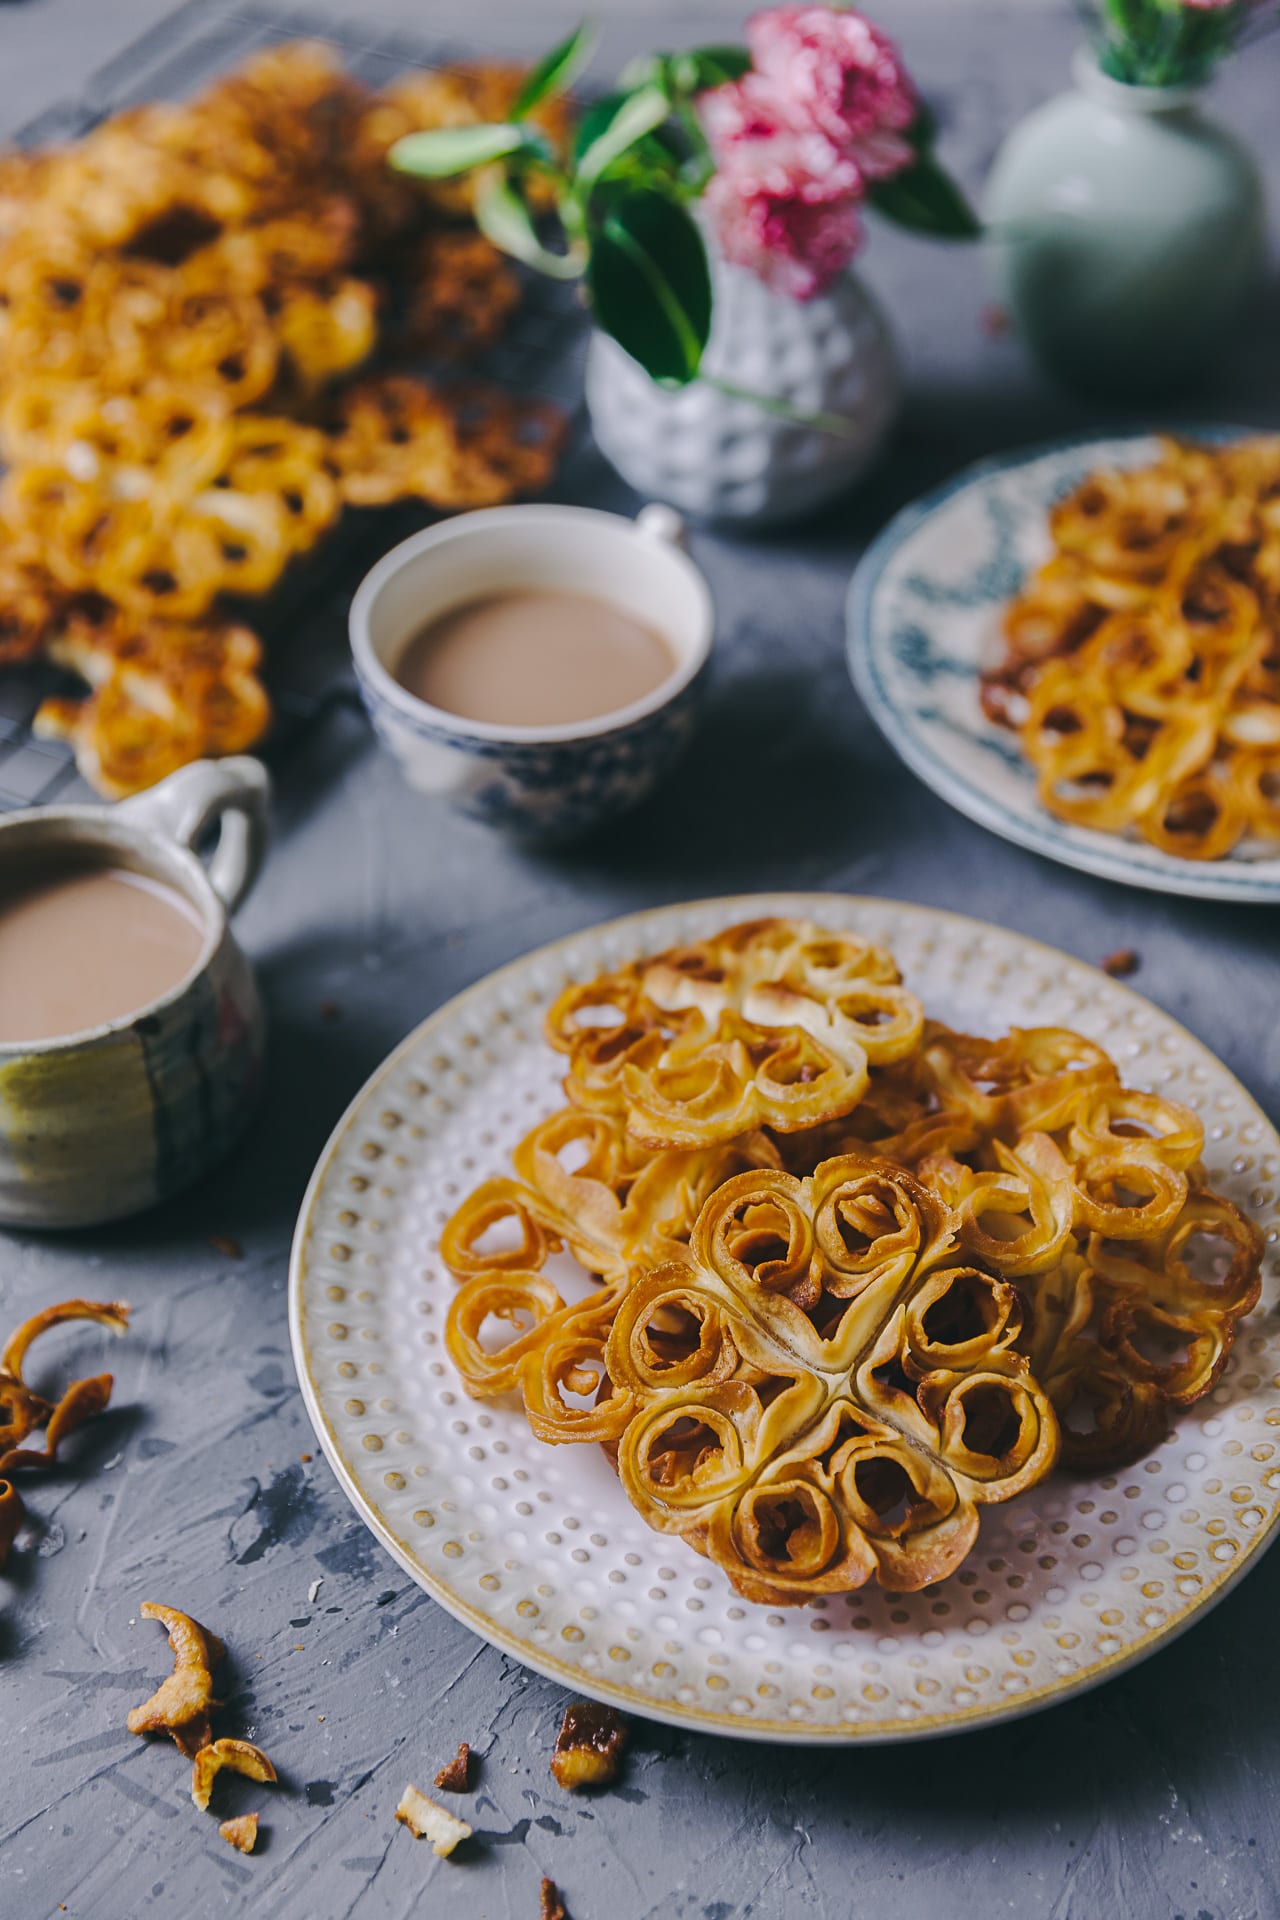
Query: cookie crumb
column 1121, row 963
column 588, row 1746
column 240, row 1833
column 455, row 1777
column 428, row 1821
column 241, row 1756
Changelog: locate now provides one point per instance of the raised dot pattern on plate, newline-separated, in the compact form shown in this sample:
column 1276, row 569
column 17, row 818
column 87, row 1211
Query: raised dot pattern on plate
column 537, row 1548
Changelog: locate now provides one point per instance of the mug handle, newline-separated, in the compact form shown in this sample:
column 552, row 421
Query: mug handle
column 236, row 793
column 664, row 524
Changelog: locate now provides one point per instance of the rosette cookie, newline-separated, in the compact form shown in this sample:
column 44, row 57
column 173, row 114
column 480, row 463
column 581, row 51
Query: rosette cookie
column 586, row 1188
column 1126, row 1330
column 828, row 1389
column 773, row 1023
column 1135, row 1270
column 1142, row 669
column 1030, row 1078
column 957, row 1092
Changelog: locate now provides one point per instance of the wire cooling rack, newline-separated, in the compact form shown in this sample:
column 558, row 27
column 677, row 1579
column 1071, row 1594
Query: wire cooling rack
column 303, row 623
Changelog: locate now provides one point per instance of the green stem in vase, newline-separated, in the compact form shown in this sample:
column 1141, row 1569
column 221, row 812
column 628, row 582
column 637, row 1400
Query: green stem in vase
column 1207, row 37
column 780, row 409
column 1164, row 43
column 1120, row 30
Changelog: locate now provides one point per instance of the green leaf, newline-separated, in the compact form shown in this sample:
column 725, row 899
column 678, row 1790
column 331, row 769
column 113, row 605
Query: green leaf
column 921, row 132
column 503, row 217
column 653, row 150
column 442, row 151
column 647, row 69
column 704, row 67
column 594, row 121
column 647, row 163
column 636, row 115
column 924, row 199
column 560, row 68
column 650, row 286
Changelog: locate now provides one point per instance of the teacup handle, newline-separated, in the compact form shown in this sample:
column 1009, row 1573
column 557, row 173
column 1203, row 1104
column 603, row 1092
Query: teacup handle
column 659, row 522
column 236, row 793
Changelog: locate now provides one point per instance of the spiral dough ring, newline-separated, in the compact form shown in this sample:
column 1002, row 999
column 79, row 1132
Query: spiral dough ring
column 772, row 1023
column 828, row 1393
column 1141, row 667
column 590, row 1190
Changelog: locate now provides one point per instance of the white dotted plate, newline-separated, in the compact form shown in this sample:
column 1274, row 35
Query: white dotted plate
column 537, row 1548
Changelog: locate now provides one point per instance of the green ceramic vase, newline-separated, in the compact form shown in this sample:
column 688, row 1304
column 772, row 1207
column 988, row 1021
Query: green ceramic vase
column 1129, row 233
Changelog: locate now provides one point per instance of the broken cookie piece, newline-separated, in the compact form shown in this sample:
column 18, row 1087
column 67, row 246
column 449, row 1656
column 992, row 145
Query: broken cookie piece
column 240, row 1833
column 239, row 1756
column 455, row 1777
column 23, row 1412
column 428, row 1821
column 181, row 1706
column 552, row 1907
column 588, row 1746
column 12, row 1515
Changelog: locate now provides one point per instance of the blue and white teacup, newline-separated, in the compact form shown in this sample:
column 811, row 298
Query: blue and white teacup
column 544, row 782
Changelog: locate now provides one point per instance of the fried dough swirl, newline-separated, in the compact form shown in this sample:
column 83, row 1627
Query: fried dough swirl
column 854, row 1393
column 621, row 1210
column 773, row 1023
column 816, row 1351
column 207, row 311
column 1142, row 662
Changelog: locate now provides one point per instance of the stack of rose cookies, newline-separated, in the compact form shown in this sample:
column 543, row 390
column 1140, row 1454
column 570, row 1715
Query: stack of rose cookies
column 848, row 1276
column 212, row 319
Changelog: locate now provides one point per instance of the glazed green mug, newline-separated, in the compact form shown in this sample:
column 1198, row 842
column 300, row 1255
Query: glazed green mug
column 99, row 1124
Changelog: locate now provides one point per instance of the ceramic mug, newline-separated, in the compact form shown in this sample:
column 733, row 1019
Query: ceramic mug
column 99, row 1124
column 547, row 781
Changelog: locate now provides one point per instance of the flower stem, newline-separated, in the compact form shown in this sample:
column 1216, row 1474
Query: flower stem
column 780, row 409
column 1162, row 43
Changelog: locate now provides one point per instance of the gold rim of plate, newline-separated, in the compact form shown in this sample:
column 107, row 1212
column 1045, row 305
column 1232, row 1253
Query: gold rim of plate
column 901, row 1718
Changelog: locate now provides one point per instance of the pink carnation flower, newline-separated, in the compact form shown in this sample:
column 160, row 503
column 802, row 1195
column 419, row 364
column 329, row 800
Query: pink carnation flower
column 783, row 195
column 796, row 246
column 844, row 76
column 797, row 141
column 767, row 148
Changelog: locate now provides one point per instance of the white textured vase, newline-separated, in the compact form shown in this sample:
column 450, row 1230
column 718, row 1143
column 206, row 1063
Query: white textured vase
column 727, row 459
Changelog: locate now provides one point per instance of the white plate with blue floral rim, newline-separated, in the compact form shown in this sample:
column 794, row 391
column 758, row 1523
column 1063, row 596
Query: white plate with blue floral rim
column 537, row 1548
column 924, row 617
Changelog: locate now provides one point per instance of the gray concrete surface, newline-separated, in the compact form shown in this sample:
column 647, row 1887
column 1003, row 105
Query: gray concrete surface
column 1151, row 1798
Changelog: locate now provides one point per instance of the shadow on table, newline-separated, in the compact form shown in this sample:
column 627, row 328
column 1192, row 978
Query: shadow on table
column 783, row 782
column 315, row 1068
column 1197, row 1716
